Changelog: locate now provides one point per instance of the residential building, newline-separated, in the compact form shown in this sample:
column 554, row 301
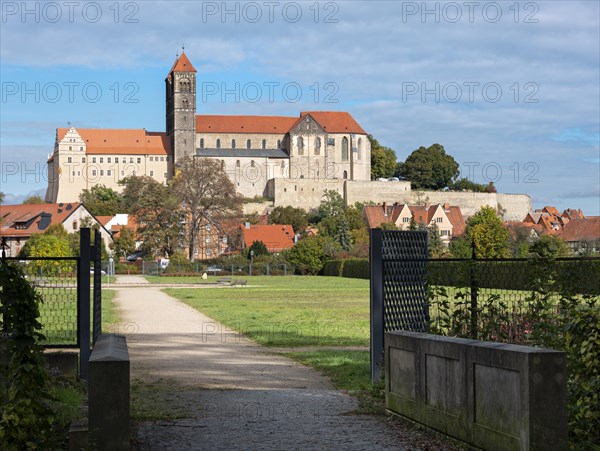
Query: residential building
column 583, row 235
column 276, row 237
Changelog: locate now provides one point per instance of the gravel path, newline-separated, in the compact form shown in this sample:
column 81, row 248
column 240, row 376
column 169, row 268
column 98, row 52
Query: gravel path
column 229, row 393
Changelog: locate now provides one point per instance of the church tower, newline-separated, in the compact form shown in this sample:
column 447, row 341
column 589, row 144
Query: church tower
column 181, row 107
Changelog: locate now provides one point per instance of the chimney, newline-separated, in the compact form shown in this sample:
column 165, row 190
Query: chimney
column 247, row 225
column 384, row 209
column 446, row 206
column 427, row 205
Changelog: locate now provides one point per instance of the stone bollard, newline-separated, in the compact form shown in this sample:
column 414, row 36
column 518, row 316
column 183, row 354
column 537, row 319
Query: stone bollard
column 108, row 387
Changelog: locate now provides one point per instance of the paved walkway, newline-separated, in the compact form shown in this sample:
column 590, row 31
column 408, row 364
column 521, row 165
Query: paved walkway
column 234, row 394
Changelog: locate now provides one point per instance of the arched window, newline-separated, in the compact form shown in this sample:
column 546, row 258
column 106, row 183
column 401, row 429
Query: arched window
column 318, row 146
column 248, row 144
column 218, row 143
column 237, row 164
column 359, row 148
column 300, row 145
column 279, row 143
column 345, row 175
column 233, row 143
column 252, row 164
column 264, row 143
column 345, row 149
column 184, row 84
column 202, row 143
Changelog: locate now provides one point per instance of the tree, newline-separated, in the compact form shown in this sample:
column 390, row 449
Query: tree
column 1, row 197
column 296, row 217
column 342, row 234
column 460, row 247
column 487, row 234
column 383, row 160
column 124, row 244
column 257, row 249
column 101, row 200
column 549, row 246
column 34, row 200
column 207, row 195
column 307, row 255
column 48, row 245
column 57, row 230
column 157, row 212
column 429, row 168
column 436, row 247
column 332, row 204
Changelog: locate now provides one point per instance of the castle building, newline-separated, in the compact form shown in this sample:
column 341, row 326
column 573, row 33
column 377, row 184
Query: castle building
column 316, row 146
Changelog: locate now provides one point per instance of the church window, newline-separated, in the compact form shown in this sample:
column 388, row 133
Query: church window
column 69, row 160
column 233, row 143
column 345, row 149
column 279, row 143
column 218, row 143
column 318, row 146
column 345, row 175
column 248, row 144
column 300, row 145
column 252, row 164
column 264, row 143
column 359, row 148
column 237, row 164
column 202, row 143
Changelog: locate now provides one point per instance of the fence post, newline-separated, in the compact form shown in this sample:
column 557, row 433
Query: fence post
column 376, row 304
column 97, row 298
column 474, row 292
column 83, row 301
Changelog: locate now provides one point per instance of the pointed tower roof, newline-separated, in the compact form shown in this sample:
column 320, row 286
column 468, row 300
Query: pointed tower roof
column 182, row 64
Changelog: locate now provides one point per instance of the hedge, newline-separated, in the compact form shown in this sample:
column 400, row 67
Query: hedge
column 357, row 268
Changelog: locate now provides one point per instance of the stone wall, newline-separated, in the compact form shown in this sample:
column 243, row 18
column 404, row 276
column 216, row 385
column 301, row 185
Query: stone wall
column 302, row 193
column 492, row 395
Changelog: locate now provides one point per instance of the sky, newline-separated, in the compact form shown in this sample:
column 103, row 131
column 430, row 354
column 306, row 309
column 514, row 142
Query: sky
column 510, row 89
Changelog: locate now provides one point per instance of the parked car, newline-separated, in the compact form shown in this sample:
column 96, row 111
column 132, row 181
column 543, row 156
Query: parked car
column 133, row 257
column 382, row 179
column 393, row 179
column 213, row 269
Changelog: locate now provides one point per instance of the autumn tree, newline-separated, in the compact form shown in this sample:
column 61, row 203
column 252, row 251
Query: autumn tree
column 101, row 200
column 206, row 194
column 487, row 234
column 124, row 244
column 383, row 160
column 157, row 212
column 429, row 168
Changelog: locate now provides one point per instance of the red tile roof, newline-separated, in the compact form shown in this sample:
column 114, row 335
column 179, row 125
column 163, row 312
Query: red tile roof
column 121, row 141
column 378, row 214
column 335, row 121
column 276, row 237
column 30, row 216
column 182, row 64
column 582, row 229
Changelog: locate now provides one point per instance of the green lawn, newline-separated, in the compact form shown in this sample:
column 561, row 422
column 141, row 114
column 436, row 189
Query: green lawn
column 289, row 311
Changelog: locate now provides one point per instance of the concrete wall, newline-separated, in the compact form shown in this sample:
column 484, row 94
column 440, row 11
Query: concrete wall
column 492, row 395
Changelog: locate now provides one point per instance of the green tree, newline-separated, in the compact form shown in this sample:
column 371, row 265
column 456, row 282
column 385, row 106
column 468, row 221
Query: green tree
column 549, row 246
column 332, row 204
column 57, row 230
column 436, row 247
column 296, row 217
column 124, row 244
column 460, row 247
column 307, row 255
column 429, row 168
column 489, row 237
column 383, row 160
column 206, row 194
column 34, row 200
column 101, row 200
column 259, row 249
column 388, row 226
column 46, row 245
column 342, row 234
column 1, row 197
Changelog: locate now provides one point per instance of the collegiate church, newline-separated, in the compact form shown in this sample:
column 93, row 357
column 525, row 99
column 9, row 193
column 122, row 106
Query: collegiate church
column 259, row 153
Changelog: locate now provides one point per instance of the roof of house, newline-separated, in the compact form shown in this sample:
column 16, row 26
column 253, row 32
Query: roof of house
column 33, row 218
column 571, row 213
column 121, row 141
column 276, row 237
column 582, row 229
column 330, row 121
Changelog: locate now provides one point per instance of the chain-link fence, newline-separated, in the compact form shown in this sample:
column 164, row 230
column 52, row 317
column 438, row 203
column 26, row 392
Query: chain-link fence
column 55, row 279
column 197, row 268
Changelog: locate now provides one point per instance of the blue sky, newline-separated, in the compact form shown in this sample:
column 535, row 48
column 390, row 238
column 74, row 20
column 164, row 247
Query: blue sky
column 511, row 89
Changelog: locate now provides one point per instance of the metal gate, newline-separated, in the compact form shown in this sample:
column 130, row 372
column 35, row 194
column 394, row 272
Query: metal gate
column 398, row 289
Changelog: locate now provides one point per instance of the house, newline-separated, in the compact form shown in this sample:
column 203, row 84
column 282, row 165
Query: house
column 583, row 234
column 449, row 219
column 19, row 222
column 550, row 219
column 276, row 237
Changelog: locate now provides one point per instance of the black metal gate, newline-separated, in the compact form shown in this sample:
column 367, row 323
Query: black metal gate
column 398, row 289
column 64, row 284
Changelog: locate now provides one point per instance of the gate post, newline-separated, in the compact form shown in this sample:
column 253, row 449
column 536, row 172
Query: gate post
column 376, row 309
column 97, row 298
column 83, row 301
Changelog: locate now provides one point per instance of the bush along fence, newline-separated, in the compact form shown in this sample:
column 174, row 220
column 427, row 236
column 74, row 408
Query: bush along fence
column 541, row 303
column 196, row 269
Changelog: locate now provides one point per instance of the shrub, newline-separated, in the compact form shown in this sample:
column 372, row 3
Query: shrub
column 333, row 268
column 357, row 268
